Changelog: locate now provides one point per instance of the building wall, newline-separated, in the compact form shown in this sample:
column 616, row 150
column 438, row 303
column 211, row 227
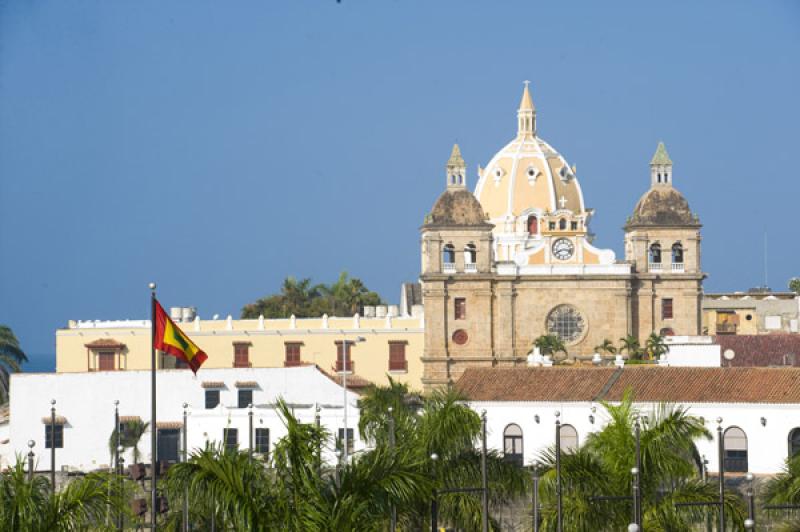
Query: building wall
column 751, row 313
column 86, row 400
column 216, row 338
column 767, row 444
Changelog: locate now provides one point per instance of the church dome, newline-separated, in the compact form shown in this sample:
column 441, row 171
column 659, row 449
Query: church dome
column 663, row 206
column 456, row 207
column 528, row 175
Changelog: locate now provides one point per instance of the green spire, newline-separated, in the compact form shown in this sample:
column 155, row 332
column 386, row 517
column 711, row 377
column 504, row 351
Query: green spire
column 661, row 157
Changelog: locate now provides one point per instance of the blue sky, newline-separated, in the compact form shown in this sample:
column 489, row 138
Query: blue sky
column 219, row 147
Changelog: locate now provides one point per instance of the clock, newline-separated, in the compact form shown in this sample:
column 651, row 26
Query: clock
column 563, row 249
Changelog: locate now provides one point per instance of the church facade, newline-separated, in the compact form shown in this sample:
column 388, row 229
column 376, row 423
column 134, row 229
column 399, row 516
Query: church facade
column 514, row 261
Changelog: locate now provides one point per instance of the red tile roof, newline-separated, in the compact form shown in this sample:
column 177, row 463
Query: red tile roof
column 105, row 342
column 778, row 349
column 648, row 384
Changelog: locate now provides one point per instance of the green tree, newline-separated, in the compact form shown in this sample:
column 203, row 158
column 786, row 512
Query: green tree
column 630, row 344
column 550, row 344
column 11, row 358
column 655, row 346
column 346, row 297
column 130, row 437
column 794, row 285
column 606, row 347
column 602, row 465
column 83, row 504
column 784, row 488
column 440, row 424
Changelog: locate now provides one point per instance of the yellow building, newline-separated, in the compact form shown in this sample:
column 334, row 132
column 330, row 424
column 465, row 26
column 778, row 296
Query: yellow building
column 391, row 345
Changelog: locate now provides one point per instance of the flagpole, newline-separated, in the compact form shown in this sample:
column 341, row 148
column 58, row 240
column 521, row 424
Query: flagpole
column 153, row 441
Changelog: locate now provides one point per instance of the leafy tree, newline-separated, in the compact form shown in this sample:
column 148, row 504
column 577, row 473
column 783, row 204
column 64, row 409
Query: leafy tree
column 300, row 298
column 794, row 285
column 550, row 344
column 439, row 423
column 11, row 357
column 606, row 347
column 630, row 344
column 601, row 467
column 83, row 504
column 655, row 346
column 130, row 437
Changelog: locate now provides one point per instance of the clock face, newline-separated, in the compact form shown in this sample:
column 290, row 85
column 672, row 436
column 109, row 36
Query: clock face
column 563, row 249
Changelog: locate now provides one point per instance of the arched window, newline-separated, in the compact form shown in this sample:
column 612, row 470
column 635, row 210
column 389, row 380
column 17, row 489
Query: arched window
column 794, row 442
column 533, row 225
column 735, row 450
column 470, row 254
column 666, row 331
column 562, row 223
column 655, row 254
column 677, row 253
column 569, row 439
column 449, row 254
column 512, row 445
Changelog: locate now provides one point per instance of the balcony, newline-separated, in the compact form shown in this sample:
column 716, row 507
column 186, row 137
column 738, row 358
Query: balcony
column 726, row 328
column 678, row 267
column 449, row 267
column 655, row 267
column 470, row 267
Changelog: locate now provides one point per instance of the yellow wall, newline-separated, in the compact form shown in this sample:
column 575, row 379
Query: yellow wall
column 370, row 358
column 744, row 326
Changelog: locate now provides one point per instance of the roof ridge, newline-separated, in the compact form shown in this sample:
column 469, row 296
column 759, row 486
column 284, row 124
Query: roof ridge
column 612, row 380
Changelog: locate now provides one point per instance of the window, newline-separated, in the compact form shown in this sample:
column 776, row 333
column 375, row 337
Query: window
column 262, row 441
column 448, row 254
column 231, row 438
column 569, row 439
column 512, row 445
column 397, row 356
column 562, row 224
column 292, row 354
column 59, row 436
column 573, row 226
column 460, row 308
column 533, row 225
column 241, row 354
column 677, row 253
column 245, row 397
column 794, row 442
column 350, row 443
column 470, row 254
column 727, row 322
column 212, row 399
column 666, row 308
column 343, row 361
column 552, row 226
column 655, row 254
column 735, row 441
column 168, row 445
column 105, row 361
column 566, row 322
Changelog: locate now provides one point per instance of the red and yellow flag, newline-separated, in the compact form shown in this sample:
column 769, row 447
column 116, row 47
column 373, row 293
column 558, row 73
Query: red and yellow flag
column 170, row 339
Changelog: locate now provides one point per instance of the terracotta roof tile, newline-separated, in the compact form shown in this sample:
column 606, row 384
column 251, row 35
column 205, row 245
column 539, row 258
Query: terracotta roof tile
column 761, row 349
column 169, row 424
column 648, row 384
column 60, row 420
column 104, row 342
column 246, row 384
column 213, row 384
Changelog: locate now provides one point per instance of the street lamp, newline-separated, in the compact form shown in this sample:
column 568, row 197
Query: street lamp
column 53, row 444
column 31, row 444
column 344, row 385
column 250, row 432
column 120, row 471
column 185, row 458
column 484, row 478
column 751, row 503
column 393, row 509
column 560, row 519
column 435, row 498
column 721, row 451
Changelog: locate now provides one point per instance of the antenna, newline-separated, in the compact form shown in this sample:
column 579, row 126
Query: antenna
column 766, row 278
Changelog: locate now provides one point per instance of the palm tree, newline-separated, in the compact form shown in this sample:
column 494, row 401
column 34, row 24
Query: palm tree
column 11, row 357
column 655, row 346
column 82, row 504
column 601, row 467
column 630, row 344
column 606, row 347
column 447, row 427
column 550, row 344
column 130, row 438
column 784, row 488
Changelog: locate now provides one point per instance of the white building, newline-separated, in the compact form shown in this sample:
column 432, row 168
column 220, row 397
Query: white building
column 759, row 407
column 217, row 402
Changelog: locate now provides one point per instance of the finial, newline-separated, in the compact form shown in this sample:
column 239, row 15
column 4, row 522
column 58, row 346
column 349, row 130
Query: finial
column 526, row 114
column 456, row 169
column 527, row 101
column 661, row 167
column 661, row 157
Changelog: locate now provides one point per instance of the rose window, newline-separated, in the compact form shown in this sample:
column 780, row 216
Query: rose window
column 566, row 322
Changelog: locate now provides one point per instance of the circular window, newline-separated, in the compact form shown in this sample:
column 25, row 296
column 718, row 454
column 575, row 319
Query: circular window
column 748, row 317
column 460, row 337
column 566, row 322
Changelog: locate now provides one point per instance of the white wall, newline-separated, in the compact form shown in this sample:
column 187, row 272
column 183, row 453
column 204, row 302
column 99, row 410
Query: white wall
column 86, row 400
column 696, row 351
column 767, row 445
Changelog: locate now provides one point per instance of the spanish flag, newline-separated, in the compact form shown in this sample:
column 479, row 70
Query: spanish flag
column 170, row 339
